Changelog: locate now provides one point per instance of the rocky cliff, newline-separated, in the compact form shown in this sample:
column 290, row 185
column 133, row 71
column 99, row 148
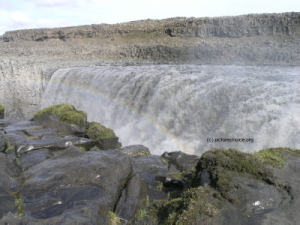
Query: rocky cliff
column 286, row 24
column 28, row 57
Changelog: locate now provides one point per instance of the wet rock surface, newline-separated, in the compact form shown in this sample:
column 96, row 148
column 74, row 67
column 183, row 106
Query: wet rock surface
column 49, row 177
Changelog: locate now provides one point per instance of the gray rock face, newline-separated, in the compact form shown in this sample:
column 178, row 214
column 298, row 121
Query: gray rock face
column 133, row 198
column 88, row 181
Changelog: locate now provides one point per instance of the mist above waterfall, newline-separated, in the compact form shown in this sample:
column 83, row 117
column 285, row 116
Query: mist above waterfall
column 186, row 107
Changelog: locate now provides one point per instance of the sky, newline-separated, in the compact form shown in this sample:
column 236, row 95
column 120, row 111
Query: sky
column 28, row 14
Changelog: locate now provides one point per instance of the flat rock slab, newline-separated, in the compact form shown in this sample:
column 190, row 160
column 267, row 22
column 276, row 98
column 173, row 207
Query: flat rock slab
column 41, row 132
column 24, row 125
column 52, row 143
column 61, row 185
column 5, row 122
column 33, row 157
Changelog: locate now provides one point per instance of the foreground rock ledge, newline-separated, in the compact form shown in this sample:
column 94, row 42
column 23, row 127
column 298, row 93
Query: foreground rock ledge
column 47, row 177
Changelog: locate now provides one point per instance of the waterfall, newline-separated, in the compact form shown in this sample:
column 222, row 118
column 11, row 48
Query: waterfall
column 192, row 108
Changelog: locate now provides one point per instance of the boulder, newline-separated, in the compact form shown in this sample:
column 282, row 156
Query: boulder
column 180, row 161
column 148, row 168
column 65, row 118
column 54, row 122
column 105, row 136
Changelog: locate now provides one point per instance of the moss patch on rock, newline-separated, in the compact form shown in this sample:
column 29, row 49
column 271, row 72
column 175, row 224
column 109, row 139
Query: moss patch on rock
column 1, row 109
column 276, row 157
column 98, row 132
column 222, row 163
column 192, row 206
column 66, row 113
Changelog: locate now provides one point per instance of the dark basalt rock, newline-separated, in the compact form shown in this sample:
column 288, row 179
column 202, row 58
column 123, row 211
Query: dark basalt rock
column 108, row 143
column 33, row 158
column 75, row 180
column 42, row 132
column 180, row 161
column 9, row 172
column 133, row 198
column 148, row 167
column 53, row 143
column 5, row 122
column 23, row 125
column 54, row 122
column 3, row 143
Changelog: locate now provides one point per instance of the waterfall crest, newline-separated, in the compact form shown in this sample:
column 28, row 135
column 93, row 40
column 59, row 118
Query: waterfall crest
column 192, row 108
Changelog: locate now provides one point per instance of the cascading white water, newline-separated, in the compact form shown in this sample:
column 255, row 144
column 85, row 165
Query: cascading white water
column 187, row 107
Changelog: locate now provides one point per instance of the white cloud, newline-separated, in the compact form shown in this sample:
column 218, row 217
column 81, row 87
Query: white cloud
column 19, row 19
column 5, row 4
column 53, row 3
column 51, row 23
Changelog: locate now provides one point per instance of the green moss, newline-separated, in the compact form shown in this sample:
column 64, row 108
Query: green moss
column 20, row 205
column 113, row 219
column 1, row 109
column 66, row 113
column 222, row 164
column 140, row 154
column 193, row 204
column 97, row 131
column 82, row 148
column 10, row 146
column 38, row 128
column 276, row 157
column 141, row 214
column 33, row 137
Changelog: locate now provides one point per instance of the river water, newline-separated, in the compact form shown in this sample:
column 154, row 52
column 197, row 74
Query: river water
column 191, row 108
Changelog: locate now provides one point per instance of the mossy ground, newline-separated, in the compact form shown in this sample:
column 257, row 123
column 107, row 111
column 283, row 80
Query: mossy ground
column 190, row 206
column 97, row 131
column 66, row 113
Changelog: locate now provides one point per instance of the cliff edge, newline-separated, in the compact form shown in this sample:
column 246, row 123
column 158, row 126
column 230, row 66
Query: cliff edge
column 248, row 39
